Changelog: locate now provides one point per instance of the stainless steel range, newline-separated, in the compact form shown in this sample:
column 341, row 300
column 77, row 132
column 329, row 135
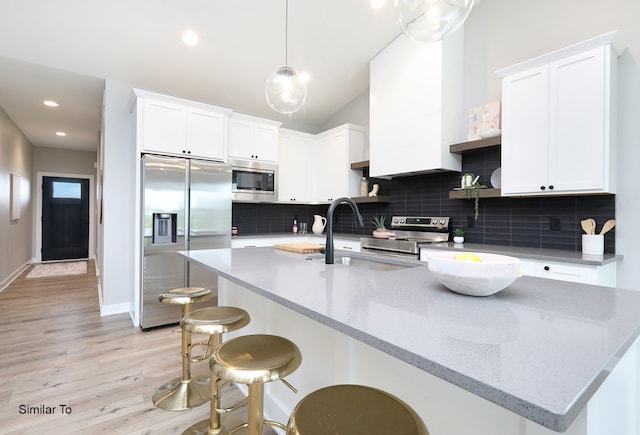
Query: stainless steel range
column 410, row 232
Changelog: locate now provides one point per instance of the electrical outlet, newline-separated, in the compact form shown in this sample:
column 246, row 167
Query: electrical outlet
column 555, row 223
column 471, row 222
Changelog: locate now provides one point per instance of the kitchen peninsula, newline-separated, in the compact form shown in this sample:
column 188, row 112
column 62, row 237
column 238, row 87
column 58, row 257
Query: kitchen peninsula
column 540, row 357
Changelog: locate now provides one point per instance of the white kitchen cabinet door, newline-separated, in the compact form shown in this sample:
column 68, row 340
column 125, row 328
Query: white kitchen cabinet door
column 415, row 106
column 578, row 122
column 330, row 168
column 206, row 134
column 173, row 126
column 164, row 126
column 525, row 131
column 253, row 139
column 295, row 167
column 334, row 152
column 556, row 132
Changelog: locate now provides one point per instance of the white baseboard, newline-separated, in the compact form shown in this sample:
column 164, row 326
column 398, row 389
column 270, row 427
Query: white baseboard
column 109, row 310
column 5, row 283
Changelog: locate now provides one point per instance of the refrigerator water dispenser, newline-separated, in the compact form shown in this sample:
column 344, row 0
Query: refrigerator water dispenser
column 164, row 228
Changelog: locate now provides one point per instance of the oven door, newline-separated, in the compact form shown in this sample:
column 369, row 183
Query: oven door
column 390, row 247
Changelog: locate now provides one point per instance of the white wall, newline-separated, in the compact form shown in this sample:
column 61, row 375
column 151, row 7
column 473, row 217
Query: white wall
column 117, row 259
column 15, row 235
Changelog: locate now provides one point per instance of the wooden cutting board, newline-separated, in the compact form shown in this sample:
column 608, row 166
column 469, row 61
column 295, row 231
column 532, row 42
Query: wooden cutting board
column 300, row 248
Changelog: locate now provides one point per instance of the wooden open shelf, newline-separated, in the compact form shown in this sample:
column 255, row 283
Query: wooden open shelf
column 360, row 165
column 484, row 193
column 475, row 145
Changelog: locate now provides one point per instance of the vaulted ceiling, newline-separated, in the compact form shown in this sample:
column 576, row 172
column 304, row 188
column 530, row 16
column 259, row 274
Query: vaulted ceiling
column 64, row 49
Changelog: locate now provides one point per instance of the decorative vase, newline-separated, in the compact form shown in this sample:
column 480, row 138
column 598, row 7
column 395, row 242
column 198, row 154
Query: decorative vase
column 319, row 223
column 458, row 239
column 380, row 233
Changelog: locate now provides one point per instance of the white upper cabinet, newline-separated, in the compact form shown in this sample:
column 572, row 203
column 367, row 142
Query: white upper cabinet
column 202, row 127
column 295, row 166
column 174, row 126
column 253, row 138
column 557, row 113
column 416, row 106
column 334, row 152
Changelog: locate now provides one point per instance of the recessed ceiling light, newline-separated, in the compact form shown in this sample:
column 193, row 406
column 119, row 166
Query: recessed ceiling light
column 190, row 38
column 50, row 103
column 377, row 4
column 60, row 133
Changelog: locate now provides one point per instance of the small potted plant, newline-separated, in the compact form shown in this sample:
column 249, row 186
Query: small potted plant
column 380, row 231
column 458, row 236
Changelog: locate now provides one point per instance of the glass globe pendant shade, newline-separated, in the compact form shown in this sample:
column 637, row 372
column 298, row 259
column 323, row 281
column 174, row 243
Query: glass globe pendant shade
column 284, row 91
column 431, row 20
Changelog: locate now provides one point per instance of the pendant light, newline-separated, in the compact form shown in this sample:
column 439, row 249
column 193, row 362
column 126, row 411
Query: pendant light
column 431, row 20
column 284, row 90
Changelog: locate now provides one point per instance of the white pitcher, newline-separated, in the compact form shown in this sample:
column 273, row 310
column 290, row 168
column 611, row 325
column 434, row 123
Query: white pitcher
column 319, row 223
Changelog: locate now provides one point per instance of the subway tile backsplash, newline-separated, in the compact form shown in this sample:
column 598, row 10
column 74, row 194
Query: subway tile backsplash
column 523, row 222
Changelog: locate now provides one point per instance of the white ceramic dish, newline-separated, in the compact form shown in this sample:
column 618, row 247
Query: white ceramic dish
column 490, row 133
column 489, row 276
column 496, row 178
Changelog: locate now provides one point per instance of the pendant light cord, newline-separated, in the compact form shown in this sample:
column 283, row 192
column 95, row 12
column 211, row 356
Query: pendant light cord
column 286, row 34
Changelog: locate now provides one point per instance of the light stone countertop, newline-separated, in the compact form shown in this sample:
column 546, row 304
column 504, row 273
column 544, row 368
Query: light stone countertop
column 539, row 348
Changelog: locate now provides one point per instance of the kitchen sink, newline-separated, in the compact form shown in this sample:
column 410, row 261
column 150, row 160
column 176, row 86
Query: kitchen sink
column 371, row 263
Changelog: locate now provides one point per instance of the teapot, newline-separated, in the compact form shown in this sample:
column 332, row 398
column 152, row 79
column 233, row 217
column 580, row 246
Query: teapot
column 319, row 223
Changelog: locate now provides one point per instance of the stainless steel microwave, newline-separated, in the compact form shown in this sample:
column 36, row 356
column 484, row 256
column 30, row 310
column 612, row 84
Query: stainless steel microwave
column 254, row 181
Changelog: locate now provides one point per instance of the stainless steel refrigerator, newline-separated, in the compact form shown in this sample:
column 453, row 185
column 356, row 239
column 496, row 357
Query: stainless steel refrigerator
column 186, row 205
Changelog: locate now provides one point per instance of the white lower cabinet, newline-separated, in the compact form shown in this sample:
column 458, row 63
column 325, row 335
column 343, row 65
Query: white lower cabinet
column 586, row 274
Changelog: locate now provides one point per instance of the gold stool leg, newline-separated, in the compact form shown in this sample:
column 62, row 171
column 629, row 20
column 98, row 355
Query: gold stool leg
column 185, row 392
column 211, row 426
column 256, row 411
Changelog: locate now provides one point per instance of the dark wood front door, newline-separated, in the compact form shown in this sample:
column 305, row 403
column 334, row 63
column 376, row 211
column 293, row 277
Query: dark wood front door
column 65, row 218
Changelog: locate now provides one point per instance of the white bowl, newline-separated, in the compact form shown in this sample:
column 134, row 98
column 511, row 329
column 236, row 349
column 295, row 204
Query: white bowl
column 484, row 278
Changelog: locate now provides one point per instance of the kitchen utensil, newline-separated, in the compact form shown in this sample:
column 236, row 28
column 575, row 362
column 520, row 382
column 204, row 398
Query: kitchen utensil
column 608, row 225
column 586, row 226
column 591, row 224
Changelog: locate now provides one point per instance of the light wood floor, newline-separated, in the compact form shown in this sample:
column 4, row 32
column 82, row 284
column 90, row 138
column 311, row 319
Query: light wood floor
column 55, row 350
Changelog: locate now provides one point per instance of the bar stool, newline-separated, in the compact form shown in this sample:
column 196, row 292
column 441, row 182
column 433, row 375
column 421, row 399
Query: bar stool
column 213, row 321
column 254, row 360
column 351, row 409
column 184, row 392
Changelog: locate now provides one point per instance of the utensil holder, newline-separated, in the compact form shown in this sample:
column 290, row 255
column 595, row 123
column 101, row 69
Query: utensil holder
column 593, row 244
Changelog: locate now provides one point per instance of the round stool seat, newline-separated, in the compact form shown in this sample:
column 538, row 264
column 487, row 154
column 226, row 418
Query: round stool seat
column 214, row 320
column 185, row 295
column 255, row 359
column 350, row 409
